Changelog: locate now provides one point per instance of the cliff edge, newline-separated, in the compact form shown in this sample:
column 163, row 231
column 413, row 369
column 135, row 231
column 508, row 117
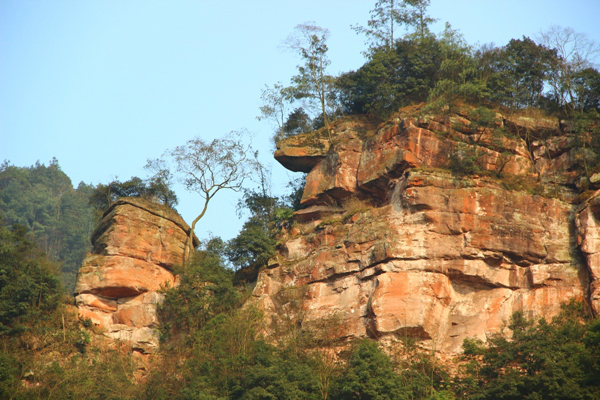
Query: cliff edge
column 434, row 228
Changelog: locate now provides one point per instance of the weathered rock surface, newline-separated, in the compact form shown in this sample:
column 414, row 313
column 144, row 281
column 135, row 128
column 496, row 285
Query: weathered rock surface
column 134, row 249
column 392, row 244
column 588, row 223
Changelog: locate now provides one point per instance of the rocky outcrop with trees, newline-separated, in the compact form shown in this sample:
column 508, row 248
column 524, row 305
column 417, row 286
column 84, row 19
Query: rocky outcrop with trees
column 434, row 228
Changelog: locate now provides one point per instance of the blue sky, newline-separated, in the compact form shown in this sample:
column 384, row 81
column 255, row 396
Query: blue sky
column 104, row 85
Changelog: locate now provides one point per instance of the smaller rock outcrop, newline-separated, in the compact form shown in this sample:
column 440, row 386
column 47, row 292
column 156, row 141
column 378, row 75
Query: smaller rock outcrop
column 134, row 249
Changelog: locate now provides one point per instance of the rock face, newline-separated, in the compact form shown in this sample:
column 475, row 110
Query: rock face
column 134, row 249
column 588, row 223
column 391, row 244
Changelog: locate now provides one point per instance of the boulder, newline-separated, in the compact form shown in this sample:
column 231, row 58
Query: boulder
column 135, row 247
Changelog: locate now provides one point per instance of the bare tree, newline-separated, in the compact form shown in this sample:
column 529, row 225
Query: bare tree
column 276, row 101
column 575, row 52
column 209, row 167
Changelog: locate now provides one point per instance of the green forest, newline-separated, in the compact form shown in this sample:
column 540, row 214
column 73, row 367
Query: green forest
column 212, row 344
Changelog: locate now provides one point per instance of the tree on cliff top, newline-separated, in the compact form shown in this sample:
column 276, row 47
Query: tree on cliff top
column 275, row 103
column 388, row 16
column 312, row 83
column 575, row 53
column 209, row 167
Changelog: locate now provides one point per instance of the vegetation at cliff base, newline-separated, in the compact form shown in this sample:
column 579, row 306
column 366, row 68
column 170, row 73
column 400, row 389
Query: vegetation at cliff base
column 557, row 359
column 214, row 348
column 45, row 351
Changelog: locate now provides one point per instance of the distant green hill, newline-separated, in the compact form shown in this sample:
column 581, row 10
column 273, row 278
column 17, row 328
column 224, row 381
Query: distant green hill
column 57, row 217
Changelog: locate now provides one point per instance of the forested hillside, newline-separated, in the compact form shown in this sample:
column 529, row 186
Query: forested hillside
column 55, row 216
column 215, row 344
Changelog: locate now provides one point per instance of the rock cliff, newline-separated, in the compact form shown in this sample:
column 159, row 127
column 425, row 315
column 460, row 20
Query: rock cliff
column 134, row 249
column 393, row 241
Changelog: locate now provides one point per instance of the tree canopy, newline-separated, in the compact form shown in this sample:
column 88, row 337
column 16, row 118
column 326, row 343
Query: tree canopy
column 558, row 359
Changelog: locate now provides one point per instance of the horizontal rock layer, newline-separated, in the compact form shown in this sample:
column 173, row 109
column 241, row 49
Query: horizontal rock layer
column 135, row 247
column 392, row 244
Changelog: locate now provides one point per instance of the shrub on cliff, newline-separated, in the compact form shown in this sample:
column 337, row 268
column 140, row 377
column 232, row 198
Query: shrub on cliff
column 205, row 290
column 156, row 189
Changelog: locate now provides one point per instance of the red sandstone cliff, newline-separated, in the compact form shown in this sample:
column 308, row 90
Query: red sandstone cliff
column 391, row 244
column 134, row 249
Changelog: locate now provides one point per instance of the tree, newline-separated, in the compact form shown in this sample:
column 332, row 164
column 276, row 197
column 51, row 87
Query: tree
column 515, row 74
column 388, row 16
column 29, row 285
column 541, row 360
column 457, row 78
column 312, row 82
column 156, row 189
column 587, row 88
column 105, row 195
column 209, row 167
column 296, row 123
column 369, row 375
column 392, row 79
column 275, row 102
column 416, row 16
column 252, row 248
column 526, row 68
column 575, row 52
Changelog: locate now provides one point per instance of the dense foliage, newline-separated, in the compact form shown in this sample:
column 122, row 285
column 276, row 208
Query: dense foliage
column 42, row 344
column 29, row 286
column 256, row 242
column 443, row 70
column 407, row 63
column 213, row 349
column 559, row 359
column 57, row 217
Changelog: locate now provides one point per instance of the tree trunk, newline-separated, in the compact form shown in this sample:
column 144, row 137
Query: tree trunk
column 189, row 246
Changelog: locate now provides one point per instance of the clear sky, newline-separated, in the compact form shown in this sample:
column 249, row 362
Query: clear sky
column 103, row 85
